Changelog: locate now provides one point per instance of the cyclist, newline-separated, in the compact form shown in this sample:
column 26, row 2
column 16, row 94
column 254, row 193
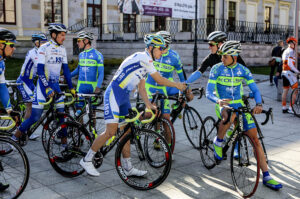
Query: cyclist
column 215, row 40
column 165, row 65
column 288, row 73
column 51, row 58
column 90, row 67
column 226, row 79
column 28, row 73
column 131, row 73
column 7, row 42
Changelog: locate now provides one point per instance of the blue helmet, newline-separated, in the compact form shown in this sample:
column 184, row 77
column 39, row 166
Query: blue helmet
column 154, row 40
column 39, row 36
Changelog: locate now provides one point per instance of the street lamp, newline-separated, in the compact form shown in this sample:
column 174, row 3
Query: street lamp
column 195, row 54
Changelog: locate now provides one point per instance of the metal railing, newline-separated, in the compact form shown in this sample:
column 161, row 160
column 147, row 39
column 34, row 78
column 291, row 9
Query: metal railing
column 237, row 30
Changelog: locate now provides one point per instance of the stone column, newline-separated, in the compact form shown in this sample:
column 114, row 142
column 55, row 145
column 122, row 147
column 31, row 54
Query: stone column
column 104, row 16
column 42, row 15
column 19, row 17
column 65, row 13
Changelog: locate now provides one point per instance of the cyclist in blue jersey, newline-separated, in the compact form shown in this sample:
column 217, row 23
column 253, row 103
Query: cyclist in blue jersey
column 7, row 42
column 165, row 65
column 131, row 73
column 226, row 80
column 90, row 66
column 52, row 57
column 28, row 73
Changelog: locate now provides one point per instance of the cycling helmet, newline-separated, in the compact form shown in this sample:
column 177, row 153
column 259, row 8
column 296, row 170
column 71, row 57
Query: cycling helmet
column 166, row 35
column 7, row 36
column 217, row 36
column 154, row 40
column 291, row 39
column 232, row 48
column 57, row 27
column 39, row 36
column 85, row 35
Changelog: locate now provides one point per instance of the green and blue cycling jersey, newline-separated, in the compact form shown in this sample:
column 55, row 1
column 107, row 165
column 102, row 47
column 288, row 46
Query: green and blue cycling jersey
column 90, row 70
column 227, row 82
column 4, row 95
column 167, row 63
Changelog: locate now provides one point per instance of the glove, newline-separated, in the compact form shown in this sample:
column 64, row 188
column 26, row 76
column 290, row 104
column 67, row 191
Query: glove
column 49, row 91
column 73, row 92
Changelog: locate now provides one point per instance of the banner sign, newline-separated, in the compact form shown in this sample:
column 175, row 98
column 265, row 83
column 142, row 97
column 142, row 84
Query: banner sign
column 184, row 9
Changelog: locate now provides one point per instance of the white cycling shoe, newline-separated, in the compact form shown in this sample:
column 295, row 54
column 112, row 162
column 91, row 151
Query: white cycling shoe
column 33, row 137
column 89, row 168
column 134, row 172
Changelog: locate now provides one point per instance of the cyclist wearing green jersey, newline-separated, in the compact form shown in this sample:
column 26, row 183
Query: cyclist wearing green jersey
column 226, row 80
column 165, row 65
column 90, row 67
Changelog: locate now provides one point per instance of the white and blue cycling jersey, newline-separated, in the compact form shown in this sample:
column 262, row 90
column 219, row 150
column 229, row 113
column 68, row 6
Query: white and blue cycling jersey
column 51, row 59
column 4, row 95
column 28, row 73
column 132, row 70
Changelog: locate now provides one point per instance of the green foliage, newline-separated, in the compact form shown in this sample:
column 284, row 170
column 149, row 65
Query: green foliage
column 263, row 70
column 13, row 68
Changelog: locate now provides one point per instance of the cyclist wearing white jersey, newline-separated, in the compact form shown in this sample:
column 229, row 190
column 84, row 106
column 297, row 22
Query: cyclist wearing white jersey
column 28, row 72
column 52, row 58
column 131, row 73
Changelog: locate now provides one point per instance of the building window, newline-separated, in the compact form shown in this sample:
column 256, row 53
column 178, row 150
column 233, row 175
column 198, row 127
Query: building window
column 129, row 22
column 186, row 25
column 94, row 11
column 267, row 18
column 211, row 12
column 7, row 11
column 232, row 15
column 53, row 11
column 160, row 23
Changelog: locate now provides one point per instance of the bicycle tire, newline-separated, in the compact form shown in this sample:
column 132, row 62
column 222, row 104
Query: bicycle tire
column 65, row 160
column 193, row 127
column 50, row 124
column 155, row 176
column 14, row 169
column 168, row 123
column 207, row 134
column 296, row 105
column 261, row 140
column 245, row 169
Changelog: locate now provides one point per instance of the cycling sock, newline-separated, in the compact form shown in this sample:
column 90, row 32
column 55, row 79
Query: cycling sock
column 126, row 163
column 89, row 156
column 169, row 145
column 266, row 176
column 218, row 141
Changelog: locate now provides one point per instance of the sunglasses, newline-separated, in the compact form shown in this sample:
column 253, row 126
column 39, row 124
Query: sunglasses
column 78, row 40
column 211, row 44
column 160, row 48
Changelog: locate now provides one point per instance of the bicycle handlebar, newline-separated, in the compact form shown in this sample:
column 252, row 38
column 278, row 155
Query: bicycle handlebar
column 128, row 120
column 13, row 84
column 268, row 114
column 66, row 94
column 72, row 99
column 148, row 120
column 138, row 114
column 6, row 117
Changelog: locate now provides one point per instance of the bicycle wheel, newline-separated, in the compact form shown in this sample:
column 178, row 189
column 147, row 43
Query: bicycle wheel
column 207, row 134
column 14, row 168
column 159, row 126
column 98, row 121
column 296, row 105
column 192, row 123
column 245, row 169
column 155, row 175
column 261, row 139
column 65, row 158
column 51, row 124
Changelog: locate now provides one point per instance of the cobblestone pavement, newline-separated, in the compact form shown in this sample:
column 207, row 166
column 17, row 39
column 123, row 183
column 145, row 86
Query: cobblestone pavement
column 188, row 177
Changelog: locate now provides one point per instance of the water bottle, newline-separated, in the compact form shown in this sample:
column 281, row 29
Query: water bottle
column 229, row 132
column 77, row 113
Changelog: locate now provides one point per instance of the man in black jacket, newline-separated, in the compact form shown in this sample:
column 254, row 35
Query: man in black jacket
column 276, row 61
column 215, row 40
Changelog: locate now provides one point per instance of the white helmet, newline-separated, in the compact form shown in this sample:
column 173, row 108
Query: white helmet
column 85, row 35
column 57, row 27
column 166, row 35
column 230, row 48
column 217, row 36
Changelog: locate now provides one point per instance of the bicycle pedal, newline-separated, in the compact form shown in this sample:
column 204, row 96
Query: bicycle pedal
column 218, row 161
column 225, row 157
column 98, row 159
column 23, row 139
